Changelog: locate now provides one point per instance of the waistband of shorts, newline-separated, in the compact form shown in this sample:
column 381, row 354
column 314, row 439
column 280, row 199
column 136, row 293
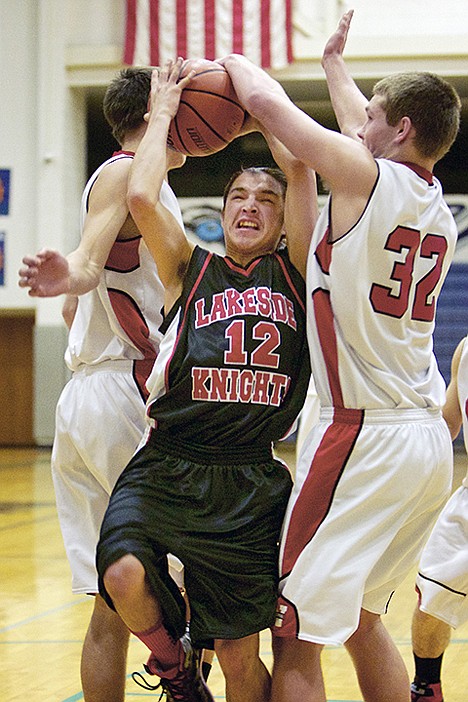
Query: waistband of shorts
column 120, row 365
column 343, row 415
column 212, row 455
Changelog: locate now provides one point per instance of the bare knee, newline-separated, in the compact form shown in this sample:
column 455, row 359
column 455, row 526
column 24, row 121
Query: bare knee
column 367, row 622
column 237, row 656
column 105, row 623
column 125, row 578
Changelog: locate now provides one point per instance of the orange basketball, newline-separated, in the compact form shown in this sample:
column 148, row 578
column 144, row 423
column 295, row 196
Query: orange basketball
column 209, row 114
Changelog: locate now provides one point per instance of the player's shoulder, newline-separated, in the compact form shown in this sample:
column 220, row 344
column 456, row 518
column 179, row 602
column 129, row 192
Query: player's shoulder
column 112, row 172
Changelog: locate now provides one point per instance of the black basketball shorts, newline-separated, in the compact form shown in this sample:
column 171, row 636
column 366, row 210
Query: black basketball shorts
column 222, row 522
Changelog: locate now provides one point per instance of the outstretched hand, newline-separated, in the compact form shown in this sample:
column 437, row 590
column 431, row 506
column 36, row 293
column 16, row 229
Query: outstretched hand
column 337, row 42
column 166, row 88
column 46, row 274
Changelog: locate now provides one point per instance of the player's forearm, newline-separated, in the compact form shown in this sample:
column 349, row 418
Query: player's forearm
column 348, row 103
column 252, row 84
column 149, row 166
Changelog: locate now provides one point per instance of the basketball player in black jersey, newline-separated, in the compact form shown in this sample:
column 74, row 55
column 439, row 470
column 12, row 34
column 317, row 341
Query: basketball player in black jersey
column 230, row 379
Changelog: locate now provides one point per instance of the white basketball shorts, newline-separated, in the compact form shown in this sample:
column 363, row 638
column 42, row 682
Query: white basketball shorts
column 369, row 486
column 442, row 580
column 100, row 420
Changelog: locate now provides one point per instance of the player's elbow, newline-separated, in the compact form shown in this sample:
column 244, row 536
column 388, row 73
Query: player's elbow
column 260, row 103
column 139, row 202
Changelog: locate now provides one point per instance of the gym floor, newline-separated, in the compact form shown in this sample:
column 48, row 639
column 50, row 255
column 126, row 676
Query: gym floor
column 42, row 624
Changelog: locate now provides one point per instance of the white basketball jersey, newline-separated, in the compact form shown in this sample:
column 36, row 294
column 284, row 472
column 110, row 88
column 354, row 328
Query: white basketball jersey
column 120, row 319
column 372, row 296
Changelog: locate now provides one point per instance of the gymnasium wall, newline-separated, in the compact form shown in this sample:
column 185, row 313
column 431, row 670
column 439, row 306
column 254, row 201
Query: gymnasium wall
column 55, row 53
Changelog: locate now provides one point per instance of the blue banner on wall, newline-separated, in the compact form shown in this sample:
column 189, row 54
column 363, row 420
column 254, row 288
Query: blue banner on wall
column 4, row 191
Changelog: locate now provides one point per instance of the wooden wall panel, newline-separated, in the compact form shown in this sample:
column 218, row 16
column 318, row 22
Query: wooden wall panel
column 16, row 377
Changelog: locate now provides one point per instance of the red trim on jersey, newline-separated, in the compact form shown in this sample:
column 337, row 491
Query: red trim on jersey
column 318, row 490
column 182, row 324
column 323, row 252
column 134, row 325
column 326, row 330
column 240, row 269
column 289, row 281
column 124, row 255
column 420, row 171
column 123, row 153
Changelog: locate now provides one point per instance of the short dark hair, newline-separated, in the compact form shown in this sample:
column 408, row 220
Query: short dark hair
column 126, row 100
column 275, row 173
column 432, row 105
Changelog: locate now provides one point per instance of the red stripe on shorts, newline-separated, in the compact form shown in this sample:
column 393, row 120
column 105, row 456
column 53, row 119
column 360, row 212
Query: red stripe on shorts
column 314, row 502
column 316, row 496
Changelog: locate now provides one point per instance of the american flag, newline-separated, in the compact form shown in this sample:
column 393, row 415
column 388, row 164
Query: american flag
column 158, row 30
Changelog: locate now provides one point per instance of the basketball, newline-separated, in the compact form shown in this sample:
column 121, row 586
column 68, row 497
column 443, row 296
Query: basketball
column 209, row 115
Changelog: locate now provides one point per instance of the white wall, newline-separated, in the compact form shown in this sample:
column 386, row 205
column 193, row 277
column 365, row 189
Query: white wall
column 398, row 27
column 18, row 137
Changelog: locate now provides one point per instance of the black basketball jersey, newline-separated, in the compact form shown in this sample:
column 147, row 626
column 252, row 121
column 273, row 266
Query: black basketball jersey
column 233, row 366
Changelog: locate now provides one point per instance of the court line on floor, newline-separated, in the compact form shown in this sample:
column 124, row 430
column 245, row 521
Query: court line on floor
column 47, row 613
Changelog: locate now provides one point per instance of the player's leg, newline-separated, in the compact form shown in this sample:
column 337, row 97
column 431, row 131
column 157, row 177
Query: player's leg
column 127, row 585
column 172, row 657
column 377, row 660
column 247, row 678
column 297, row 671
column 82, row 488
column 104, row 655
column 442, row 584
column 430, row 638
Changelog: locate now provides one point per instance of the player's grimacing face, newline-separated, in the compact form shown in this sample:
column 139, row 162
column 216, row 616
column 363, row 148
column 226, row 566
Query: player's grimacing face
column 253, row 215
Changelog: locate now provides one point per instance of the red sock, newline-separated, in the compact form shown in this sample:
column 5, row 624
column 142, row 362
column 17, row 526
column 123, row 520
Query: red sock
column 167, row 655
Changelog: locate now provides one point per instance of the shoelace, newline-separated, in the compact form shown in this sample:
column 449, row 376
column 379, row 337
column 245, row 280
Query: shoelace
column 182, row 688
column 142, row 682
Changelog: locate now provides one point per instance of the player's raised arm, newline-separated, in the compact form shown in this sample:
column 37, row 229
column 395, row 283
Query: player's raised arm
column 301, row 206
column 349, row 104
column 162, row 233
column 343, row 163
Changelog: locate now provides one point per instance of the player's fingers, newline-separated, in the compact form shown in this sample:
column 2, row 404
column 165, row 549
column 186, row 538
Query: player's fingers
column 24, row 272
column 182, row 82
column 30, row 261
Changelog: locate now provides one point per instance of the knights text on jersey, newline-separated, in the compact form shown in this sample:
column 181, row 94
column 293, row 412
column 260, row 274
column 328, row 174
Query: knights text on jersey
column 373, row 296
column 233, row 366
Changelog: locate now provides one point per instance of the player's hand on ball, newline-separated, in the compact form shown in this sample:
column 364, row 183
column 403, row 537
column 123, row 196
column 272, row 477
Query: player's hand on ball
column 166, row 87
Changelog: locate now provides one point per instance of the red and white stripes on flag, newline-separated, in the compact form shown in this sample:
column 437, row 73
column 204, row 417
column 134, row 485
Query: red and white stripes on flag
column 158, row 30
